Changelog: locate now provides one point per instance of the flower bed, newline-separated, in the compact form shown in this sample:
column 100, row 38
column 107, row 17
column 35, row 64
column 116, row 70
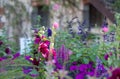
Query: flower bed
column 55, row 54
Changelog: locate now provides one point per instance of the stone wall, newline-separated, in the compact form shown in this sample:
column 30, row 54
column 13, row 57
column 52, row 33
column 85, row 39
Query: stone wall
column 64, row 14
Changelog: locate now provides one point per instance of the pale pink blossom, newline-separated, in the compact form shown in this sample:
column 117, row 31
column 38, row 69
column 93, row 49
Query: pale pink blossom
column 55, row 25
column 105, row 29
column 56, row 7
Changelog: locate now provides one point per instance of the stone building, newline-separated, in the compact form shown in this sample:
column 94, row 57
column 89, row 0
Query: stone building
column 92, row 11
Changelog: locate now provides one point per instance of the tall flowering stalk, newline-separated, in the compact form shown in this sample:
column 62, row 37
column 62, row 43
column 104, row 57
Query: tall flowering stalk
column 117, row 28
column 52, row 38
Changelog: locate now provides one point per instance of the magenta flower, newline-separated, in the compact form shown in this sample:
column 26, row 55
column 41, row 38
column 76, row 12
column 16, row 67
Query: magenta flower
column 37, row 40
column 83, row 68
column 43, row 45
column 1, row 59
column 80, row 76
column 73, row 67
column 115, row 74
column 53, row 53
column 36, row 63
column 106, row 56
column 45, row 52
column 44, row 49
column 47, row 42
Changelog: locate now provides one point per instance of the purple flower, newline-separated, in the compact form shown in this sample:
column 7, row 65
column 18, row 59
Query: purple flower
column 27, row 70
column 74, row 63
column 30, row 71
column 16, row 55
column 62, row 56
column 49, row 32
column 7, row 50
column 80, row 76
column 58, row 65
column 28, row 58
column 37, row 40
column 106, row 56
column 91, row 73
column 99, row 68
column 72, row 68
column 83, row 68
column 63, row 53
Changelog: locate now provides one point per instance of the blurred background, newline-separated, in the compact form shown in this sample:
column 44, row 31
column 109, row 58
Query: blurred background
column 19, row 17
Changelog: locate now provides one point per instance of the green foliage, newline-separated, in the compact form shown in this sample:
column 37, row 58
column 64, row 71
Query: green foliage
column 6, row 42
column 81, row 53
column 116, row 5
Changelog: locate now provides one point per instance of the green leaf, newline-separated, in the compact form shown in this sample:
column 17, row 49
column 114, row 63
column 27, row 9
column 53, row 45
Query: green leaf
column 86, row 61
column 78, row 55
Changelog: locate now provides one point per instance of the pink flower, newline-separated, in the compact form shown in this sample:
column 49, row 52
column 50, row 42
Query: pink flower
column 115, row 74
column 54, row 53
column 56, row 7
column 55, row 25
column 45, row 53
column 105, row 29
column 43, row 45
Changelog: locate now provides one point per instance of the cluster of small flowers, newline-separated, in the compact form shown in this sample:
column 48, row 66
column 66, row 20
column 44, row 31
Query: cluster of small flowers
column 81, row 30
column 109, row 37
column 63, row 55
column 99, row 71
